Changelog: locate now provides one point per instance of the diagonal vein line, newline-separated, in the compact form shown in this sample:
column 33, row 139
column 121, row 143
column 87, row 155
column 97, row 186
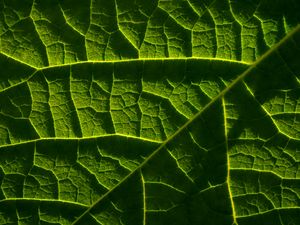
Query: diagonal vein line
column 24, row 200
column 18, row 60
column 19, row 83
column 219, row 96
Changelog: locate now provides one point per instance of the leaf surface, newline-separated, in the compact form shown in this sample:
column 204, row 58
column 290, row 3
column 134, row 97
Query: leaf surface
column 149, row 112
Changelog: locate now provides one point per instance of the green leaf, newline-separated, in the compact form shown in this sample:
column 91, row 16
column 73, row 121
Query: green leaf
column 149, row 112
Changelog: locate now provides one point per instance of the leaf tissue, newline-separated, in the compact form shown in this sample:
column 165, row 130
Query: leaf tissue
column 149, row 112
